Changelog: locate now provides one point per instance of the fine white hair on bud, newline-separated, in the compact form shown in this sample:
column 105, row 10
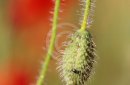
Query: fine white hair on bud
column 77, row 59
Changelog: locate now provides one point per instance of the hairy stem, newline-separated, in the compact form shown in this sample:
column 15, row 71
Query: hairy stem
column 51, row 46
column 86, row 14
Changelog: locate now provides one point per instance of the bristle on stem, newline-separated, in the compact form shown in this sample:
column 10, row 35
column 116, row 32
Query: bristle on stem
column 43, row 71
column 86, row 14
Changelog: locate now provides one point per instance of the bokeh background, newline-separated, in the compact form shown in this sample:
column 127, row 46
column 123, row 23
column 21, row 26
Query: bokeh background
column 24, row 35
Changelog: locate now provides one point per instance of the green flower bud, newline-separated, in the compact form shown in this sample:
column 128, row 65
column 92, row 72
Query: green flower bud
column 78, row 58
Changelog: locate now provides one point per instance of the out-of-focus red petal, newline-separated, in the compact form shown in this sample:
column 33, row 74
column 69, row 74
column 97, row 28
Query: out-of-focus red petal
column 27, row 12
column 19, row 77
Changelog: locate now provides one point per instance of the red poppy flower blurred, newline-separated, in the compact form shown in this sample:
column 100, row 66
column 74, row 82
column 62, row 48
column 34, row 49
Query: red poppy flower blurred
column 28, row 12
column 19, row 77
column 24, row 14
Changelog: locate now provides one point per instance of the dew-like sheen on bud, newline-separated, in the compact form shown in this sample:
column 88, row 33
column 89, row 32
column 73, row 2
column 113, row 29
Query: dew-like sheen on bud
column 78, row 58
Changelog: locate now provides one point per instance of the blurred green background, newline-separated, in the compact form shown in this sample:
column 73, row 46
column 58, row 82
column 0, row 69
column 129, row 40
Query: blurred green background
column 22, row 41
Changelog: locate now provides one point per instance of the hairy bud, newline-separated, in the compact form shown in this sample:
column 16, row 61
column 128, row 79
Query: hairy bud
column 78, row 58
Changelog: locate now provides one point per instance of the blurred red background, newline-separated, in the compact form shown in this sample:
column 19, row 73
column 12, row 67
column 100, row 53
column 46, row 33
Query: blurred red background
column 30, row 24
column 24, row 26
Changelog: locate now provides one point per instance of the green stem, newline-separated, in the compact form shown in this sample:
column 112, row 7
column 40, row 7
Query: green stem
column 86, row 14
column 52, row 42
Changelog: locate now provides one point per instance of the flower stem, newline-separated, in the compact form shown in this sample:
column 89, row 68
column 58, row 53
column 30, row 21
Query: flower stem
column 86, row 14
column 51, row 46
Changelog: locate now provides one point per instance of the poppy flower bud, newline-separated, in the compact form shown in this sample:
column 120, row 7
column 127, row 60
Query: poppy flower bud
column 78, row 58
